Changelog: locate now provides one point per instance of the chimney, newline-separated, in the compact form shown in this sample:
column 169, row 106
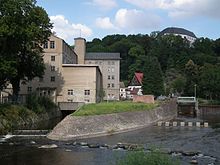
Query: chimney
column 80, row 49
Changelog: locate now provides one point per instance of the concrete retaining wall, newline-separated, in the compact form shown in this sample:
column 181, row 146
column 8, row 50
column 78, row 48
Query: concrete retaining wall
column 75, row 127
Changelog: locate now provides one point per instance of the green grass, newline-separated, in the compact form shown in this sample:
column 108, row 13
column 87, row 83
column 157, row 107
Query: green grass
column 112, row 107
column 152, row 158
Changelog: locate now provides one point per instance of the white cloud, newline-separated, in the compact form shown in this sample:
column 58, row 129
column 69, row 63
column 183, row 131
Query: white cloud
column 105, row 23
column 136, row 19
column 129, row 20
column 68, row 31
column 103, row 4
column 182, row 8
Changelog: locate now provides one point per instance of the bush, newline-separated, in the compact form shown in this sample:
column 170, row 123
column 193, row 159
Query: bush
column 151, row 158
column 39, row 104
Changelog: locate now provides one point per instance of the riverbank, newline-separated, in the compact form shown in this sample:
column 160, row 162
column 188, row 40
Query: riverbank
column 78, row 127
column 20, row 117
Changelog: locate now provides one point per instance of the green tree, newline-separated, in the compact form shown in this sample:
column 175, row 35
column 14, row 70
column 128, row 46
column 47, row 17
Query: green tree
column 153, row 82
column 24, row 27
column 191, row 74
column 209, row 78
column 137, row 55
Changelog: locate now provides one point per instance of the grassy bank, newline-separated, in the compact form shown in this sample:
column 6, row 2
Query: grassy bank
column 12, row 116
column 112, row 107
column 151, row 158
column 19, row 116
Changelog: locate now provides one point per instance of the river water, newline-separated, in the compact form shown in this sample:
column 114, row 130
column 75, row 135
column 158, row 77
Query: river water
column 25, row 150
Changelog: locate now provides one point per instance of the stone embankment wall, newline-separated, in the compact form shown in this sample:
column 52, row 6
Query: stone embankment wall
column 75, row 127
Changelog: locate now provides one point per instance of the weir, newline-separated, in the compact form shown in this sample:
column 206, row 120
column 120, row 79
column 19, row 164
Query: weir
column 187, row 106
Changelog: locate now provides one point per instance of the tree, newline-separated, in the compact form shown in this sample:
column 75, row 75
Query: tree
column 209, row 78
column 137, row 55
column 24, row 27
column 153, row 78
column 191, row 74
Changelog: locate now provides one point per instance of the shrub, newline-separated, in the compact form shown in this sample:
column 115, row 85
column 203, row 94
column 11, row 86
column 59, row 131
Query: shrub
column 39, row 104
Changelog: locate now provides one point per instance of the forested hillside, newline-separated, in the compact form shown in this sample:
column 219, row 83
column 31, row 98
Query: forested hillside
column 169, row 63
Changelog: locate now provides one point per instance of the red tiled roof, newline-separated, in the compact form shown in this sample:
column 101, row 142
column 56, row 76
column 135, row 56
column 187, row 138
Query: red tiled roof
column 139, row 77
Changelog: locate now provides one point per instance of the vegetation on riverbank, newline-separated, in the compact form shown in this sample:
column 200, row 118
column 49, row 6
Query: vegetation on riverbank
column 112, row 107
column 16, row 116
column 151, row 158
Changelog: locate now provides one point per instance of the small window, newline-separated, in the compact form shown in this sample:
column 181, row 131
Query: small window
column 70, row 92
column 113, row 62
column 109, row 77
column 29, row 89
column 46, row 45
column 52, row 78
column 109, row 63
column 87, row 100
column 109, row 85
column 113, row 69
column 113, row 77
column 41, row 79
column 113, row 85
column 52, row 44
column 87, row 92
column 109, row 69
column 52, row 58
column 69, row 100
column 52, row 68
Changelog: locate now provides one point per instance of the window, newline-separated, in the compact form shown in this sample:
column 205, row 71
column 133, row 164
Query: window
column 52, row 78
column 69, row 100
column 113, row 77
column 109, row 69
column 52, row 58
column 52, row 68
column 109, row 85
column 109, row 77
column 41, row 79
column 70, row 91
column 52, row 44
column 46, row 45
column 113, row 62
column 109, row 63
column 113, row 69
column 113, row 85
column 87, row 100
column 29, row 89
column 87, row 92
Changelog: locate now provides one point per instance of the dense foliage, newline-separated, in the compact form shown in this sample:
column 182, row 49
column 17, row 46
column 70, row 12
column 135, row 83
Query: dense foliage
column 170, row 63
column 24, row 26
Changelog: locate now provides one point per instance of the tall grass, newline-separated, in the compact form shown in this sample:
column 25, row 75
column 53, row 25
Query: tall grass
column 112, row 107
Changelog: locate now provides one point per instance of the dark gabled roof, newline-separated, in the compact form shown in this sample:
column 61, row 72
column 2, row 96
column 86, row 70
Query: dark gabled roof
column 102, row 56
column 175, row 30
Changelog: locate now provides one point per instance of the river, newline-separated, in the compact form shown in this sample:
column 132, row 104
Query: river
column 28, row 150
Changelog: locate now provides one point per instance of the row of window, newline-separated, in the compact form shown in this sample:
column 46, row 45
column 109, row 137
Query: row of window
column 111, row 77
column 71, row 100
column 86, row 92
column 111, row 85
column 100, row 62
column 111, row 69
column 52, row 79
column 52, row 45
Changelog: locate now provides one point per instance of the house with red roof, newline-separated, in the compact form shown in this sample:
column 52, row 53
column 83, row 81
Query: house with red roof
column 135, row 85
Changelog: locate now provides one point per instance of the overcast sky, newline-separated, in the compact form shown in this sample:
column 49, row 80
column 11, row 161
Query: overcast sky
column 97, row 18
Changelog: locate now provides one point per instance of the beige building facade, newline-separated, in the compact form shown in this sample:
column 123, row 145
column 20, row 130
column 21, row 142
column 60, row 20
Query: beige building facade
column 65, row 80
column 109, row 64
